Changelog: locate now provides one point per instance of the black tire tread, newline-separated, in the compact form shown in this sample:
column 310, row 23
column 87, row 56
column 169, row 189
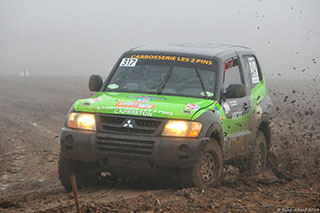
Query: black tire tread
column 65, row 170
column 190, row 176
column 252, row 164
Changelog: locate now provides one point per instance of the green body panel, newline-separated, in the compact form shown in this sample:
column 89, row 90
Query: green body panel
column 171, row 107
column 236, row 126
column 216, row 107
column 136, row 104
column 258, row 92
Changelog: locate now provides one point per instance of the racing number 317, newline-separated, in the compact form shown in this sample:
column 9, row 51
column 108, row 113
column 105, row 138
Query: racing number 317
column 128, row 62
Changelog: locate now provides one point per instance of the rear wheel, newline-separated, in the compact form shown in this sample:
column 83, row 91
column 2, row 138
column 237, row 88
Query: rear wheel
column 258, row 157
column 208, row 171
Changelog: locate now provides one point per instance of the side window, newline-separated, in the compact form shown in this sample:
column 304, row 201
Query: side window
column 251, row 69
column 231, row 73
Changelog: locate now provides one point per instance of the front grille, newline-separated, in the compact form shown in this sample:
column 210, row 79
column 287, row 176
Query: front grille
column 125, row 146
column 138, row 125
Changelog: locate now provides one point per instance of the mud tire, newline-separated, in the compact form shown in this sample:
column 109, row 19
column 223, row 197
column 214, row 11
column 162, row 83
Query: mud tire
column 207, row 172
column 84, row 173
column 259, row 155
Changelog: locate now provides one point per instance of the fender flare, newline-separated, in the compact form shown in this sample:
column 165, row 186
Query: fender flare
column 213, row 128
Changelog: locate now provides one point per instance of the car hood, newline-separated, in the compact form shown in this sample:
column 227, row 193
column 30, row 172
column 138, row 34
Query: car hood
column 136, row 104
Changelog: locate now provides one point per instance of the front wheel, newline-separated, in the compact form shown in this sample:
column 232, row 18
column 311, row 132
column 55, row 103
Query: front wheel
column 208, row 171
column 85, row 173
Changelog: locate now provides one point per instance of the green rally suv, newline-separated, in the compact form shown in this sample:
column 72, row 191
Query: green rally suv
column 185, row 108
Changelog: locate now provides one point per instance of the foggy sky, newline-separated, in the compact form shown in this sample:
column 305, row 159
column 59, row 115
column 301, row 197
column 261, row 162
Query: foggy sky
column 77, row 37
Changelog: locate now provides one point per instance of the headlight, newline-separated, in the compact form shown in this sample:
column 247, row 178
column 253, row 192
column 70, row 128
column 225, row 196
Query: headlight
column 182, row 128
column 82, row 121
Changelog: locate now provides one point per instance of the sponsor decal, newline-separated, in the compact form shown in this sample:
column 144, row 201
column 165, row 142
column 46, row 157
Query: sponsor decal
column 103, row 108
column 163, row 112
column 237, row 115
column 226, row 107
column 113, row 86
column 254, row 70
column 190, row 108
column 91, row 101
column 135, row 104
column 147, row 97
column 233, row 103
column 128, row 62
column 173, row 58
column 228, row 65
column 144, row 99
column 216, row 111
column 209, row 94
column 132, row 111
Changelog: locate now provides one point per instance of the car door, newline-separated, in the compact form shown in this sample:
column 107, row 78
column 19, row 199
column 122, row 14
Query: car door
column 253, row 76
column 236, row 109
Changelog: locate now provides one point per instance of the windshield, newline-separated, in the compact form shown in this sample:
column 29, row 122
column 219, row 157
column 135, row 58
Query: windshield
column 174, row 76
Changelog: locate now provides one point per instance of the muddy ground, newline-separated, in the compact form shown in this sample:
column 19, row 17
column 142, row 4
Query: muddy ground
column 32, row 113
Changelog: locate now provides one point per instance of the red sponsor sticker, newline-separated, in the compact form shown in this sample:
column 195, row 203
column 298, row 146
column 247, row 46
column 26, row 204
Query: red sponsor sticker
column 228, row 65
column 191, row 107
column 135, row 104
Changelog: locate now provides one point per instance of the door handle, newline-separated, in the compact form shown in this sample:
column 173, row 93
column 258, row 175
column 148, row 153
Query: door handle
column 245, row 106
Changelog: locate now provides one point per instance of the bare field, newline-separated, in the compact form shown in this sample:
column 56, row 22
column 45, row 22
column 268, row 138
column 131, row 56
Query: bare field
column 32, row 114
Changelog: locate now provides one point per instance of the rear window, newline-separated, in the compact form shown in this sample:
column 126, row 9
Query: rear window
column 251, row 69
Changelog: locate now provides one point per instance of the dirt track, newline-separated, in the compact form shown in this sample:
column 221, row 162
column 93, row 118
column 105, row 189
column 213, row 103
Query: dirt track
column 32, row 114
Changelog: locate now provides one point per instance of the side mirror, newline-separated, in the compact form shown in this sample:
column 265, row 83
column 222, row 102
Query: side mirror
column 95, row 83
column 235, row 91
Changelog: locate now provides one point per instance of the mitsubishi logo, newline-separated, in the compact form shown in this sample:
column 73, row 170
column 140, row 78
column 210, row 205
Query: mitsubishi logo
column 128, row 124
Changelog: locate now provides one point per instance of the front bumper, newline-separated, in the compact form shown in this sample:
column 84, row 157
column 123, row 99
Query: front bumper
column 160, row 151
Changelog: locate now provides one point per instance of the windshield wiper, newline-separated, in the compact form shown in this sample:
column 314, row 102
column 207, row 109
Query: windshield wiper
column 165, row 81
column 201, row 82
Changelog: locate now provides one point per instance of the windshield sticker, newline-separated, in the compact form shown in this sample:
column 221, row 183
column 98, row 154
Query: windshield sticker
column 135, row 104
column 254, row 70
column 226, row 107
column 209, row 94
column 128, row 62
column 146, row 97
column 113, row 86
column 173, row 58
column 190, row 108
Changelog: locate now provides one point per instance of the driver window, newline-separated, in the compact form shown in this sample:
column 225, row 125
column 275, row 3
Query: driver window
column 231, row 73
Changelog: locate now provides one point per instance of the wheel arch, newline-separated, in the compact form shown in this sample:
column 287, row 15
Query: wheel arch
column 216, row 133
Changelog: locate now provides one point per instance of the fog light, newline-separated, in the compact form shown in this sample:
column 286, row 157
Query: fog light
column 184, row 149
column 69, row 142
